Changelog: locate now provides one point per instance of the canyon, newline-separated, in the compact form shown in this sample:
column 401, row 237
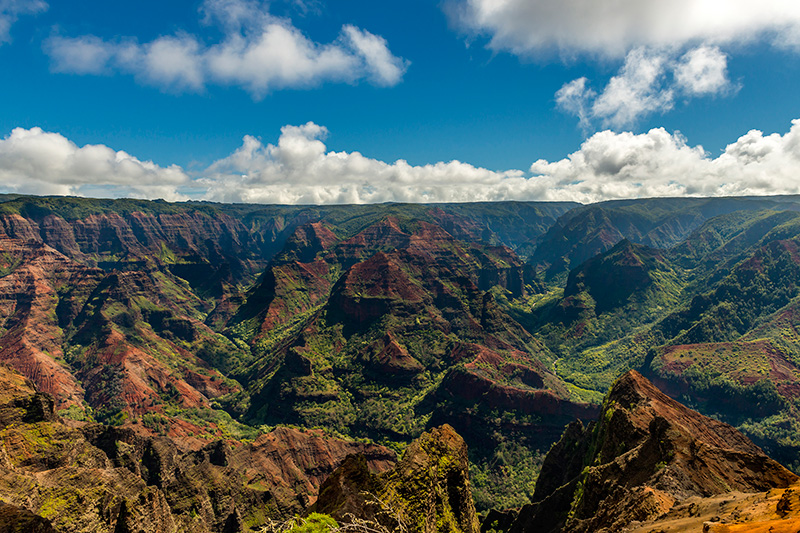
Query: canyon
column 207, row 367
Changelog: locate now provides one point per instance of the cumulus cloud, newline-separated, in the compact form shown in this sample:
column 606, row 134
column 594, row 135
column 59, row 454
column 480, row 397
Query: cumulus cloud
column 10, row 10
column 703, row 71
column 636, row 91
column 614, row 27
column 624, row 165
column 383, row 67
column 647, row 83
column 33, row 161
column 299, row 169
column 574, row 97
column 258, row 52
column 82, row 55
column 670, row 48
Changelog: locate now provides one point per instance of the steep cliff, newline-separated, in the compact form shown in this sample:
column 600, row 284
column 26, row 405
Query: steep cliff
column 119, row 344
column 428, row 491
column 646, row 455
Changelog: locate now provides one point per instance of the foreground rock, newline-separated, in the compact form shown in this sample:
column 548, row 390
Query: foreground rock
column 95, row 478
column 428, row 491
column 773, row 511
column 647, row 456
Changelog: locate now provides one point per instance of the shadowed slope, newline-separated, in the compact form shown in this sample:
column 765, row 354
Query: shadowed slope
column 646, row 454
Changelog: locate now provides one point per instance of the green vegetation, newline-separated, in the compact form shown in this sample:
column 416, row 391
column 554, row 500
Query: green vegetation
column 443, row 325
column 315, row 523
column 714, row 316
column 8, row 263
column 74, row 208
column 507, row 478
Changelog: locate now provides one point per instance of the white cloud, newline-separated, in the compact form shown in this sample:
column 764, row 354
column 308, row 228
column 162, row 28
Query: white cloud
column 652, row 35
column 37, row 162
column 300, row 169
column 233, row 15
column 647, row 83
column 10, row 10
column 384, row 68
column 623, row 165
column 279, row 57
column 82, row 55
column 636, row 91
column 574, row 97
column 614, row 27
column 171, row 62
column 258, row 52
column 703, row 71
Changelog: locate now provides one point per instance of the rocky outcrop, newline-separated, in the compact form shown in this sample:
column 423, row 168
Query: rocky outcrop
column 375, row 287
column 383, row 235
column 428, row 491
column 430, row 484
column 518, row 280
column 94, row 478
column 646, row 455
column 15, row 519
column 307, row 241
column 388, row 359
column 772, row 511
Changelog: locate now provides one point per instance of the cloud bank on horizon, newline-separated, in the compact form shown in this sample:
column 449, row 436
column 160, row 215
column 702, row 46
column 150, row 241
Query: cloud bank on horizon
column 299, row 169
column 33, row 161
column 670, row 49
column 259, row 52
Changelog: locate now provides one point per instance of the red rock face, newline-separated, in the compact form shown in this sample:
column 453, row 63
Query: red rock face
column 458, row 226
column 374, row 287
column 384, row 235
column 134, row 346
column 394, row 359
column 106, row 234
column 138, row 379
column 309, row 240
column 45, row 294
column 472, row 385
column 139, row 358
column 645, row 456
column 57, row 233
column 305, row 456
column 31, row 338
column 137, row 236
column 388, row 268
column 17, row 227
column 293, row 289
column 765, row 361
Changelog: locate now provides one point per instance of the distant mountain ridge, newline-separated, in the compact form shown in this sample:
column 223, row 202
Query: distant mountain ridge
column 656, row 222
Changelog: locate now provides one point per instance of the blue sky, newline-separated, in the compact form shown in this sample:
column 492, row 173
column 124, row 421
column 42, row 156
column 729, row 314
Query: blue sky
column 315, row 101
